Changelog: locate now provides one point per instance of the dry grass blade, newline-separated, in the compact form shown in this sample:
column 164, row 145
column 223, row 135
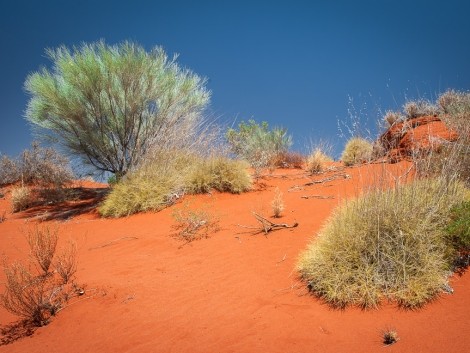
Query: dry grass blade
column 43, row 242
column 66, row 262
column 278, row 203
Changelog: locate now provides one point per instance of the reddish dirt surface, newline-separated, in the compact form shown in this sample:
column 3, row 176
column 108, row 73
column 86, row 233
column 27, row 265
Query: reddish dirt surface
column 412, row 135
column 147, row 291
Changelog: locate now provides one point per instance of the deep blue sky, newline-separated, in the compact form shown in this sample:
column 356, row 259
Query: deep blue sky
column 291, row 63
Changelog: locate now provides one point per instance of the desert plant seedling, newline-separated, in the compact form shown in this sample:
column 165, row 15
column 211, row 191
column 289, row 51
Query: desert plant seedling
column 277, row 203
column 390, row 337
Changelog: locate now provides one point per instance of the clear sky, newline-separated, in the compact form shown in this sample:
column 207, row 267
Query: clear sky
column 296, row 64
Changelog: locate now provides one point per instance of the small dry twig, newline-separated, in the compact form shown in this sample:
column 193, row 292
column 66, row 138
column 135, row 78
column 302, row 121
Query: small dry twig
column 112, row 242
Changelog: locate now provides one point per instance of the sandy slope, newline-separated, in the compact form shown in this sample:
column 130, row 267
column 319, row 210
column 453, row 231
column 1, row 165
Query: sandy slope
column 233, row 292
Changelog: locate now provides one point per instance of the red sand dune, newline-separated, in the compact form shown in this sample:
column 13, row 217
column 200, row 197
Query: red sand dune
column 232, row 292
column 407, row 137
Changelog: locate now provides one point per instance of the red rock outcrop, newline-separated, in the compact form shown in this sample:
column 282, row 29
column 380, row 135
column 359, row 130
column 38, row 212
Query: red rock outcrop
column 420, row 134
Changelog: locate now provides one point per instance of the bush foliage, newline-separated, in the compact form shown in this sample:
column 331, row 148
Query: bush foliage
column 160, row 182
column 110, row 105
column 257, row 144
column 356, row 151
column 385, row 244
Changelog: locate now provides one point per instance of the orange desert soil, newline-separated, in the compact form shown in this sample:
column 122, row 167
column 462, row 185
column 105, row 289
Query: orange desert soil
column 235, row 291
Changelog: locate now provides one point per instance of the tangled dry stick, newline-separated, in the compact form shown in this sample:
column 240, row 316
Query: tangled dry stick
column 268, row 226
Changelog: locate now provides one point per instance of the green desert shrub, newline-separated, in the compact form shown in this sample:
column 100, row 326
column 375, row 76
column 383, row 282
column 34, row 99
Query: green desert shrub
column 257, row 144
column 112, row 104
column 458, row 228
column 385, row 244
column 357, row 150
column 219, row 173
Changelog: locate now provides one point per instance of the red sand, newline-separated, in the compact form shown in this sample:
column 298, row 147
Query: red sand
column 231, row 292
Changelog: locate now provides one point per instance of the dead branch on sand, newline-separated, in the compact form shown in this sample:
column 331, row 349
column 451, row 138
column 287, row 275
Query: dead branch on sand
column 336, row 176
column 268, row 226
column 112, row 242
column 317, row 197
column 330, row 178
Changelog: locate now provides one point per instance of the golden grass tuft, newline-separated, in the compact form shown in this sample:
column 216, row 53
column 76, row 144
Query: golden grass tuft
column 385, row 244
column 167, row 177
column 356, row 151
column 317, row 161
column 21, row 198
column 277, row 203
column 219, row 173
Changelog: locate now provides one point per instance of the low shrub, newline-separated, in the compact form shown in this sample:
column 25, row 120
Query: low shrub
column 193, row 224
column 385, row 244
column 167, row 177
column 218, row 173
column 422, row 107
column 288, row 160
column 21, row 198
column 257, row 144
column 9, row 171
column 43, row 243
column 36, row 295
column 317, row 161
column 357, row 150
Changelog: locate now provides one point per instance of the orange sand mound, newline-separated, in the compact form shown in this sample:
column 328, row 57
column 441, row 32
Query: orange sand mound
column 147, row 291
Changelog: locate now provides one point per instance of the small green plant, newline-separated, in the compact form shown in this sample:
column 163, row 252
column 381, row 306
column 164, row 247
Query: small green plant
column 356, row 151
column 257, row 144
column 112, row 180
column 277, row 203
column 458, row 228
column 193, row 224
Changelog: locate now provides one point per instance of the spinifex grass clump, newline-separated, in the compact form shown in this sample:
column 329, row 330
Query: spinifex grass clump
column 385, row 244
column 158, row 183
